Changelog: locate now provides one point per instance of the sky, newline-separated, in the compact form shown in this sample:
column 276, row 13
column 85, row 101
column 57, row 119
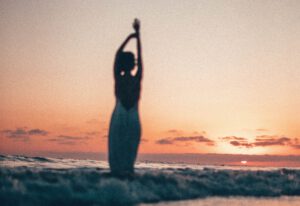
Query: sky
column 219, row 76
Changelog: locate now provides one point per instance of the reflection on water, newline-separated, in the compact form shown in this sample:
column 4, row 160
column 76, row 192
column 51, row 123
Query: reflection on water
column 64, row 163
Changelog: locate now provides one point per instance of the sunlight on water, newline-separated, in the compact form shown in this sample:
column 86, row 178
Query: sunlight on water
column 63, row 163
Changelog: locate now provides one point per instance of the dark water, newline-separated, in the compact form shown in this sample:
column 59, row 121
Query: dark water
column 50, row 181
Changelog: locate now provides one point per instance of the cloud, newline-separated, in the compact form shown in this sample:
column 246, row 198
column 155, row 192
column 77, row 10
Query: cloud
column 267, row 140
column 93, row 133
column 263, row 141
column 69, row 140
column 296, row 146
column 262, row 130
column 38, row 132
column 180, row 132
column 164, row 141
column 233, row 138
column 173, row 132
column 23, row 133
column 172, row 140
column 241, row 144
column 236, row 141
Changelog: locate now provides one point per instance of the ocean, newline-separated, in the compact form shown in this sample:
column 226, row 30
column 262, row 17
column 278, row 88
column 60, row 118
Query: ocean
column 60, row 181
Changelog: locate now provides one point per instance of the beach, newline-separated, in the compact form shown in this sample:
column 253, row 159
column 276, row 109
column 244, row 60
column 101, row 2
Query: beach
column 234, row 201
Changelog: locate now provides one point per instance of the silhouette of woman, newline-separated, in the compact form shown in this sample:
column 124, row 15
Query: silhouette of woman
column 125, row 128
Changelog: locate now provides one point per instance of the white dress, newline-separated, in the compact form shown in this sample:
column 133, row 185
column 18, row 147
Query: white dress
column 124, row 138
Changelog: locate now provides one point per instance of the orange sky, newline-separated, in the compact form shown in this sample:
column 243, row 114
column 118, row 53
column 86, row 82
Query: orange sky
column 220, row 76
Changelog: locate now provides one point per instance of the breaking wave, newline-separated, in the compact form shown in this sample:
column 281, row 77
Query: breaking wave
column 88, row 182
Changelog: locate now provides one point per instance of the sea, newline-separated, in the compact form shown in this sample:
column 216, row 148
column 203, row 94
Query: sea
column 60, row 181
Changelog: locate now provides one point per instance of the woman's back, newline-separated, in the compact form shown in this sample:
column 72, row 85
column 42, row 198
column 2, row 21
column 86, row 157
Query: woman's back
column 127, row 90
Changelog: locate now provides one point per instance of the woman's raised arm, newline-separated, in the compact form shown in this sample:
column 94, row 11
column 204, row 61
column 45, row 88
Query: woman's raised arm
column 121, row 48
column 136, row 26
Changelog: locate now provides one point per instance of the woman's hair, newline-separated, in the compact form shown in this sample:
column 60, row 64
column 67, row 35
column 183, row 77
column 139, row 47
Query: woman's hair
column 126, row 61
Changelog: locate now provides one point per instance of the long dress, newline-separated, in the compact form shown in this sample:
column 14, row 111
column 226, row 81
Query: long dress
column 125, row 128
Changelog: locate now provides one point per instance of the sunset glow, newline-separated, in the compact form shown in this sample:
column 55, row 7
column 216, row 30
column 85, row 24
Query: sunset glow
column 219, row 76
column 244, row 162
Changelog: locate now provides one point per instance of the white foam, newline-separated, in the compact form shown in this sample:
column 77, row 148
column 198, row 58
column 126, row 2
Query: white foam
column 36, row 181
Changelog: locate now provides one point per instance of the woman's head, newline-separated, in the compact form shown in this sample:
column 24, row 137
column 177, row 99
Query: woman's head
column 126, row 61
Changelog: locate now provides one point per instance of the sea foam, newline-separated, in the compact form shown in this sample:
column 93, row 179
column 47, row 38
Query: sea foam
column 88, row 182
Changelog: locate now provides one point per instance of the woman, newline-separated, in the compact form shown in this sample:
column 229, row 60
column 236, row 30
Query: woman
column 125, row 129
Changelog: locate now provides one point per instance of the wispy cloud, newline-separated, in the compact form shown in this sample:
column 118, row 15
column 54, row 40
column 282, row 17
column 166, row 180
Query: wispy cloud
column 23, row 133
column 69, row 140
column 197, row 139
column 233, row 138
column 38, row 132
column 237, row 141
column 267, row 140
column 177, row 132
column 93, row 133
column 164, row 141
column 262, row 130
column 173, row 132
column 296, row 146
column 263, row 141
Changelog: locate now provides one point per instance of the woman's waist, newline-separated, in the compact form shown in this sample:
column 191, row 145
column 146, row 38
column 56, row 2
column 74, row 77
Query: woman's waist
column 126, row 108
column 127, row 105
